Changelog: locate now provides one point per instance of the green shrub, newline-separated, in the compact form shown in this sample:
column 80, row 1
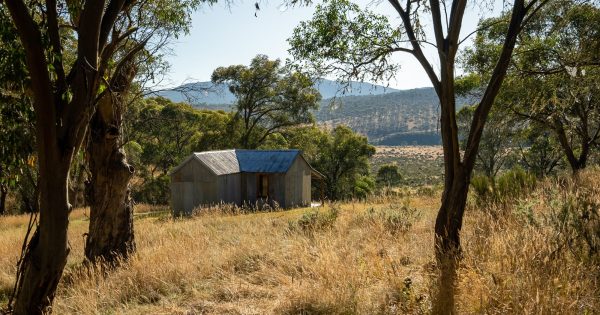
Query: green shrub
column 576, row 220
column 482, row 188
column 154, row 191
column 396, row 218
column 313, row 220
column 508, row 186
column 514, row 184
column 363, row 187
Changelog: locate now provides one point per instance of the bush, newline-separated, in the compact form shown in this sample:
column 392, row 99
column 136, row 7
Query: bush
column 363, row 187
column 508, row 186
column 316, row 220
column 576, row 220
column 425, row 191
column 155, row 191
column 482, row 188
column 394, row 218
column 514, row 184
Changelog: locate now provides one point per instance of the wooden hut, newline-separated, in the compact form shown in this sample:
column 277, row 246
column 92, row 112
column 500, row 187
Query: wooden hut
column 242, row 177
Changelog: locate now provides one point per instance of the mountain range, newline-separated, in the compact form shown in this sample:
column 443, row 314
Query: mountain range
column 386, row 116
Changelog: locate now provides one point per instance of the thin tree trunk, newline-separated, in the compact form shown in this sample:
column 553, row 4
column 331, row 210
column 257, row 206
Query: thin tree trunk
column 576, row 164
column 3, row 193
column 458, row 171
column 111, row 235
column 77, row 197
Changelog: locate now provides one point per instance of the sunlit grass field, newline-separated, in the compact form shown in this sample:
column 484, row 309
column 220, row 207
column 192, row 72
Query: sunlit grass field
column 373, row 257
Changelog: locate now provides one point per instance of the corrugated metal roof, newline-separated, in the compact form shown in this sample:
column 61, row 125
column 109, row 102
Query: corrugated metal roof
column 220, row 162
column 266, row 161
column 250, row 161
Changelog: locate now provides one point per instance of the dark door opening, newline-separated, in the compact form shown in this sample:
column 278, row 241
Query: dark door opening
column 263, row 186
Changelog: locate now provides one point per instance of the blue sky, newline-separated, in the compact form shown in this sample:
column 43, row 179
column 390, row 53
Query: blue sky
column 223, row 35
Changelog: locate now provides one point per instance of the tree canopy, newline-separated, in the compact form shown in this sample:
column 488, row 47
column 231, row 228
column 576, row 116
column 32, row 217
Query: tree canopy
column 269, row 98
column 554, row 75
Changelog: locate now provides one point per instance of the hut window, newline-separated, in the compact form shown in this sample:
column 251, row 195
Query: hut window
column 263, row 186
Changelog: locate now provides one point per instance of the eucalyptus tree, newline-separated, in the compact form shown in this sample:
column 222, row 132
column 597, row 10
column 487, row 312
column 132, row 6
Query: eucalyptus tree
column 73, row 50
column 353, row 43
column 498, row 138
column 157, row 147
column 269, row 97
column 538, row 151
column 388, row 175
column 341, row 155
column 554, row 78
column 143, row 30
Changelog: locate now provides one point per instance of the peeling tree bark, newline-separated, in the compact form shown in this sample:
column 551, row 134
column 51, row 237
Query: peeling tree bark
column 63, row 103
column 111, row 235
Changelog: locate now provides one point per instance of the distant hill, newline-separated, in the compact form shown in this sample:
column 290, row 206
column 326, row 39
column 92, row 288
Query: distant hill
column 386, row 116
column 207, row 93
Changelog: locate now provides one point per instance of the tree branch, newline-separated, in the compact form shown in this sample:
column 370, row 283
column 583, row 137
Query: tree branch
column 417, row 51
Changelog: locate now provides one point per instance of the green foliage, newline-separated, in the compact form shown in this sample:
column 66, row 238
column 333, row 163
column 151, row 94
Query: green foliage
column 396, row 218
column 388, row 175
column 342, row 156
column 482, row 187
column 552, row 84
column 345, row 41
column 162, row 133
column 17, row 136
column 154, row 191
column 269, row 98
column 576, row 220
column 496, row 140
column 363, row 187
column 538, row 151
column 508, row 186
column 315, row 220
column 309, row 139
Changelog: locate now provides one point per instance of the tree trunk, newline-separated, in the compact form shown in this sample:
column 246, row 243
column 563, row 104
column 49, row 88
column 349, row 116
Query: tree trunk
column 111, row 208
column 449, row 220
column 77, row 197
column 46, row 254
column 576, row 164
column 3, row 193
column 110, row 234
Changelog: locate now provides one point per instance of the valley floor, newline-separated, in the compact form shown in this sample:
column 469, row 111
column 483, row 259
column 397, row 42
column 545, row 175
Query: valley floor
column 371, row 257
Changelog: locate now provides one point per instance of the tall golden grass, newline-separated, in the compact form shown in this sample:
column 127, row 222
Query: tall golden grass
column 366, row 258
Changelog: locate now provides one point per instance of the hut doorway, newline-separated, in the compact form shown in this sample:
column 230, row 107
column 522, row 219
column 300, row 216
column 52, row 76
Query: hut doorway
column 263, row 186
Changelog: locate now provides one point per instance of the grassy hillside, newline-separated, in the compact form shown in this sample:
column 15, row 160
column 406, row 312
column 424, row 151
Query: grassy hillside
column 418, row 165
column 386, row 116
column 370, row 257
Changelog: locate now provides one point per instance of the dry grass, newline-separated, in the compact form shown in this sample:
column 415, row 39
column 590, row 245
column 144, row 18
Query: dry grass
column 263, row 263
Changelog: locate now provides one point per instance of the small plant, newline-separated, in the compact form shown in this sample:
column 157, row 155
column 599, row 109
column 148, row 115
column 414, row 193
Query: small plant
column 482, row 188
column 316, row 220
column 501, row 189
column 524, row 211
column 395, row 218
column 425, row 191
column 576, row 220
column 514, row 184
